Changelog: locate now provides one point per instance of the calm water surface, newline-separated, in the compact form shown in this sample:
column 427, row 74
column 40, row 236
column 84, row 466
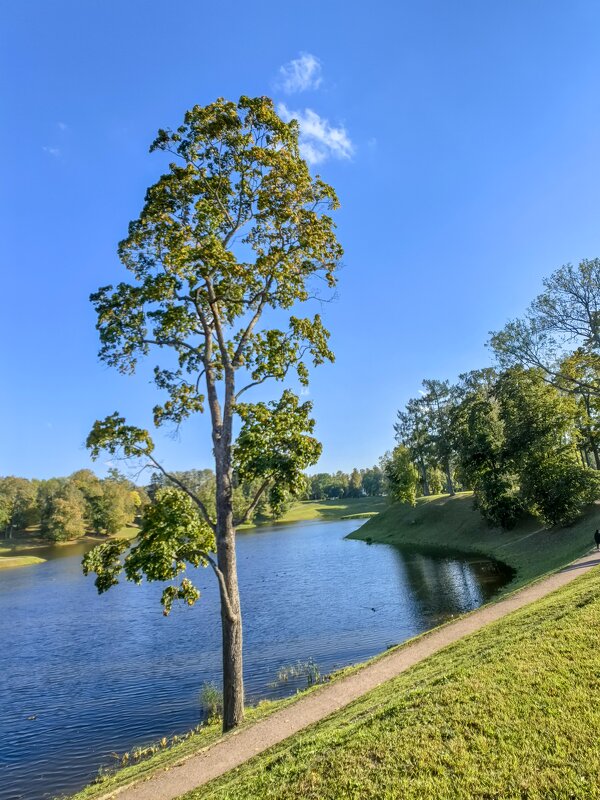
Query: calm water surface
column 105, row 674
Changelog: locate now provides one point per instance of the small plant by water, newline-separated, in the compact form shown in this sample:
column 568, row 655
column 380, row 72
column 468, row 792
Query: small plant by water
column 211, row 700
column 308, row 669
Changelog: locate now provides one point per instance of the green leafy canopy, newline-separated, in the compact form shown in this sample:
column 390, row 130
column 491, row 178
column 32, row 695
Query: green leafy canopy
column 172, row 536
column 231, row 239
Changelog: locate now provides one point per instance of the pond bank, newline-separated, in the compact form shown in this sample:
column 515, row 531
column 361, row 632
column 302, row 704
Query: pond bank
column 283, row 773
column 451, row 523
column 308, row 594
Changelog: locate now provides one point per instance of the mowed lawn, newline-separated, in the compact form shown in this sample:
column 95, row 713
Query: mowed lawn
column 10, row 562
column 510, row 712
column 331, row 509
column 452, row 523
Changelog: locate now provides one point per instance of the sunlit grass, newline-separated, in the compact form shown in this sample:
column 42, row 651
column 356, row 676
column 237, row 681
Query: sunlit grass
column 10, row 562
column 348, row 507
column 509, row 712
column 452, row 523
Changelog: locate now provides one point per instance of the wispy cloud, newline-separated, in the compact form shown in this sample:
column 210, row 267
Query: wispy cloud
column 52, row 151
column 300, row 74
column 62, row 126
column 319, row 140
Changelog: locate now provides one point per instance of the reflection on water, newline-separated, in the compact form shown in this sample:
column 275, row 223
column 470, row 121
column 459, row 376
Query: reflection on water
column 105, row 674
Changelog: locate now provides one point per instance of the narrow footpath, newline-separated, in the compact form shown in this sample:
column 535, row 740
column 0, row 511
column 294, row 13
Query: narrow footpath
column 238, row 747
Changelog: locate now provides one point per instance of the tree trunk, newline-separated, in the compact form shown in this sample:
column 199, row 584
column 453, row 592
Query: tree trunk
column 449, row 480
column 231, row 614
column 594, row 448
column 424, row 480
column 233, row 675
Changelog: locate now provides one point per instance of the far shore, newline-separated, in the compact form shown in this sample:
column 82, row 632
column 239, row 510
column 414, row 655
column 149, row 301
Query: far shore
column 14, row 551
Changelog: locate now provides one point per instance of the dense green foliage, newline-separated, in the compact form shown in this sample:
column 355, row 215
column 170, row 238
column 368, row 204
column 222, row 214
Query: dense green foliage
column 18, row 504
column 527, row 438
column 505, row 713
column 173, row 535
column 337, row 485
column 401, row 475
column 62, row 509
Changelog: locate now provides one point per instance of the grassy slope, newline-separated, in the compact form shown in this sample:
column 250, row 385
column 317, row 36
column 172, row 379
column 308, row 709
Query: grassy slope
column 452, row 523
column 330, row 509
column 441, row 521
column 9, row 562
column 31, row 539
column 509, row 712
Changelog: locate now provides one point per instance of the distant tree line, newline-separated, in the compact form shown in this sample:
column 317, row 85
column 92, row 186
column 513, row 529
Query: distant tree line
column 321, row 486
column 62, row 509
column 525, row 437
column 335, row 485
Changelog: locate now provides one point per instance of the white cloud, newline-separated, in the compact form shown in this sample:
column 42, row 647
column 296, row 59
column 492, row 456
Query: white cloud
column 62, row 126
column 52, row 151
column 318, row 139
column 300, row 74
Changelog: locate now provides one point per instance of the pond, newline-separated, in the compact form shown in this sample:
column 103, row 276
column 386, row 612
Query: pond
column 83, row 676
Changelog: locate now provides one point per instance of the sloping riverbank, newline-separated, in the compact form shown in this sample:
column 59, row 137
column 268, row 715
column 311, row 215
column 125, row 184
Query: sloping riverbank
column 411, row 724
column 451, row 523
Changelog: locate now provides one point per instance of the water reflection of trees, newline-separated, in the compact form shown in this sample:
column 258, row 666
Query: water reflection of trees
column 441, row 587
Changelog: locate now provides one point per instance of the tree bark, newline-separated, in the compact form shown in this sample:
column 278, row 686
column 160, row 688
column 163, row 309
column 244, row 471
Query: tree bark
column 449, row 480
column 594, row 449
column 231, row 614
column 424, row 480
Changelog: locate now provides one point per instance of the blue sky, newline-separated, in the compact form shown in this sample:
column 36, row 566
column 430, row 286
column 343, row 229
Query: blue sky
column 462, row 138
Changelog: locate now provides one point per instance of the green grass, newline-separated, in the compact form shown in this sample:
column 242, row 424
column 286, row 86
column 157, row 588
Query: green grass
column 10, row 562
column 346, row 508
column 440, row 522
column 451, row 523
column 31, row 539
column 509, row 712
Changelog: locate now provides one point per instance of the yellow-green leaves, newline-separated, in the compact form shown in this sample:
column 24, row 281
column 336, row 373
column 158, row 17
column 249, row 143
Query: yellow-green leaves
column 173, row 535
column 275, row 444
column 235, row 226
column 114, row 436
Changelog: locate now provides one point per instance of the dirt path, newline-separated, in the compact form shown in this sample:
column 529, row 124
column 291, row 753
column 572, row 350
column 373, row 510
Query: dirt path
column 236, row 748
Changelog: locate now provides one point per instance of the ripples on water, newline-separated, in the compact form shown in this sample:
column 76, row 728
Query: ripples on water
column 105, row 674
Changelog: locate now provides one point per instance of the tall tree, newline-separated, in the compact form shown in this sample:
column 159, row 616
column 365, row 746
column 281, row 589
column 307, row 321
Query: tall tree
column 542, row 438
column 413, row 433
column 231, row 238
column 484, row 459
column 401, row 475
column 439, row 400
column 355, row 484
column 565, row 316
column 581, row 370
column 18, row 504
column 66, row 514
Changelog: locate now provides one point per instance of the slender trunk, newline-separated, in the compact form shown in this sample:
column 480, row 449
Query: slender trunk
column 231, row 615
column 449, row 480
column 594, row 449
column 590, row 436
column 424, row 480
